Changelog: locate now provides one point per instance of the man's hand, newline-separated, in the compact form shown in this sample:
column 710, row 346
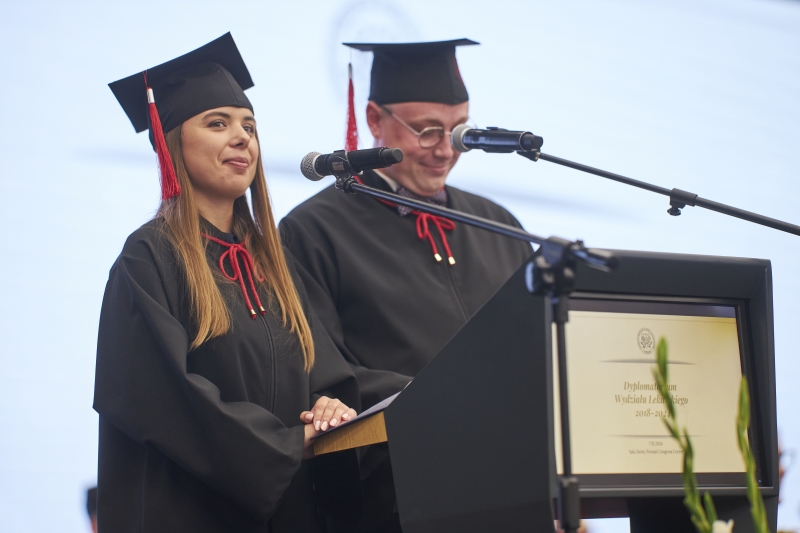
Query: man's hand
column 327, row 413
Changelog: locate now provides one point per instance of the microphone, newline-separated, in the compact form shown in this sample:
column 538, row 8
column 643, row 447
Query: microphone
column 316, row 166
column 497, row 140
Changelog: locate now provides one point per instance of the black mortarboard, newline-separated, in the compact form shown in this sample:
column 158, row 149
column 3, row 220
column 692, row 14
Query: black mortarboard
column 212, row 76
column 415, row 72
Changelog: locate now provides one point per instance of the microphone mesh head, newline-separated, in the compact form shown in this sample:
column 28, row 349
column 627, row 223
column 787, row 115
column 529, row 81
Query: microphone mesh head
column 307, row 166
column 457, row 138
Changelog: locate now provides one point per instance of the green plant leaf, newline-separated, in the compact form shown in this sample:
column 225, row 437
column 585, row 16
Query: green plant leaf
column 711, row 511
column 699, row 514
column 757, row 509
column 661, row 358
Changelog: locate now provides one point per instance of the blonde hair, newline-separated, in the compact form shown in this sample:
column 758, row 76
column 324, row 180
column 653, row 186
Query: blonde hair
column 210, row 314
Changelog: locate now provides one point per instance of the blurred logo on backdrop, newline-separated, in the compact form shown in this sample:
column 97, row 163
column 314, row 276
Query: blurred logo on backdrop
column 364, row 21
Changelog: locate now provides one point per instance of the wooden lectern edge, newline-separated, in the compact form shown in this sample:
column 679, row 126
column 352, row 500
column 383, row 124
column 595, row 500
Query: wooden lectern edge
column 371, row 430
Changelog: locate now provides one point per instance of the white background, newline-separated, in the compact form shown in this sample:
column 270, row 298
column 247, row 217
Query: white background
column 700, row 95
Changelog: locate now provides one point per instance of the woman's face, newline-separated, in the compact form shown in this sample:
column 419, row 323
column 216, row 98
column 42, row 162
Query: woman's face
column 220, row 151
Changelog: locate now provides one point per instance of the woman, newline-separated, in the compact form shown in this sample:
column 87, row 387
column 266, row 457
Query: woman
column 208, row 358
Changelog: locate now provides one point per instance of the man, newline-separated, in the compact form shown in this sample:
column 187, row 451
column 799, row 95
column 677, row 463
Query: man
column 393, row 285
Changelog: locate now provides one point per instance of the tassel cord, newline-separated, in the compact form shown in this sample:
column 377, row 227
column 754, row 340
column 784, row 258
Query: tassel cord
column 169, row 181
column 423, row 231
column 233, row 253
column 351, row 137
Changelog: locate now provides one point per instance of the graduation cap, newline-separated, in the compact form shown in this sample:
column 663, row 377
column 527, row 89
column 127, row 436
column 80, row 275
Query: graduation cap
column 212, row 76
column 415, row 72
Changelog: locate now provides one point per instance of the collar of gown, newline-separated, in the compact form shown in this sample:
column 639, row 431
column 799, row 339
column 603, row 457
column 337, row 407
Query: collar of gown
column 389, row 181
column 211, row 229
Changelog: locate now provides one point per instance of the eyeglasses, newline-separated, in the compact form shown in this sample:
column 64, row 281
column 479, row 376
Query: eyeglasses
column 428, row 137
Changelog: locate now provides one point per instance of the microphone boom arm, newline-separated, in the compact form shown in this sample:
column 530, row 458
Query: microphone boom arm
column 678, row 199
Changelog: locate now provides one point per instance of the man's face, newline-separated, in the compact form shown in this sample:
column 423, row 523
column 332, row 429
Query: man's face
column 423, row 170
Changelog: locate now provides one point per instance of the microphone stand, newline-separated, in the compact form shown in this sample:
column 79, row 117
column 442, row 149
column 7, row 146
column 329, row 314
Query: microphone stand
column 678, row 199
column 550, row 274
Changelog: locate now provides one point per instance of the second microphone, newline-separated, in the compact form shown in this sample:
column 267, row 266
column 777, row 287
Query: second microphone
column 496, row 140
column 316, row 166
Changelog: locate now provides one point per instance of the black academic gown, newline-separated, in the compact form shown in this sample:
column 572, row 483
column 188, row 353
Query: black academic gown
column 207, row 440
column 386, row 302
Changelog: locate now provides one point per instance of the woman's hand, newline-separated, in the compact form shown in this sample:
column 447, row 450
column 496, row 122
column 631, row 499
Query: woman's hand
column 327, row 413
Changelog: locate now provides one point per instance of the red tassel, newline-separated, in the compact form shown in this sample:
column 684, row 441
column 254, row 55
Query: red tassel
column 169, row 181
column 351, row 140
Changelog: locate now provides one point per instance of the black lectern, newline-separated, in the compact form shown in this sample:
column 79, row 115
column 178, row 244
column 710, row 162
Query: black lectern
column 472, row 437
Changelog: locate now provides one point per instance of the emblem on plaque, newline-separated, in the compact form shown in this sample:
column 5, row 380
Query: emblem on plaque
column 646, row 341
